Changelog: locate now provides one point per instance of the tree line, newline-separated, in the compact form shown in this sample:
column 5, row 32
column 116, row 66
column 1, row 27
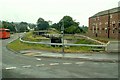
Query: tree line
column 70, row 25
column 17, row 26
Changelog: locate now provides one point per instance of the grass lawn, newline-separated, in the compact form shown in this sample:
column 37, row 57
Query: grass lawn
column 104, row 40
column 30, row 37
column 17, row 46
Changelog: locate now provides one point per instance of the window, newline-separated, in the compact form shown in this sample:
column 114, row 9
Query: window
column 93, row 29
column 113, row 30
column 106, row 23
column 100, row 23
column 113, row 25
column 98, row 18
column 106, row 30
column 111, row 16
column 119, row 29
column 95, row 19
column 113, row 22
column 100, row 29
column 119, row 24
column 96, row 28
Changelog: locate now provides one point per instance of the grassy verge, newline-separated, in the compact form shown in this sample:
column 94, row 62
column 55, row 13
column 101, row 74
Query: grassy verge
column 85, row 41
column 104, row 40
column 30, row 37
column 17, row 46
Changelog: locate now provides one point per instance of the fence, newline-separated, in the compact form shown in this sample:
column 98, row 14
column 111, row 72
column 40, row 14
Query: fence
column 88, row 45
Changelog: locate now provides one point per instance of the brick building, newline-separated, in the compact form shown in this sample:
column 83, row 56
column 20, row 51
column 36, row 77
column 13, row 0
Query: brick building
column 105, row 24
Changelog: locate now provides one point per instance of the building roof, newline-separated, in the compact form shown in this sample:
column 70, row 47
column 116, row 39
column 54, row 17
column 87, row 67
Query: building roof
column 3, row 29
column 110, row 11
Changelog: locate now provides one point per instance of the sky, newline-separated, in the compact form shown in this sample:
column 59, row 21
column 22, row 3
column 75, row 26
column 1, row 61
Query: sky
column 54, row 10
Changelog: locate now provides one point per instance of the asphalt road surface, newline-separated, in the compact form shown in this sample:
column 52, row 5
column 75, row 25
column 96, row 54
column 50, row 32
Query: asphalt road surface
column 15, row 65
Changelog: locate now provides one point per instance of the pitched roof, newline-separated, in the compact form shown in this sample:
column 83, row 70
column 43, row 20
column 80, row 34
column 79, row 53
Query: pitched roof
column 111, row 11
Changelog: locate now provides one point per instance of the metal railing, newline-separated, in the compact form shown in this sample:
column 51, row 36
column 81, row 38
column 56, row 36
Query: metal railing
column 87, row 45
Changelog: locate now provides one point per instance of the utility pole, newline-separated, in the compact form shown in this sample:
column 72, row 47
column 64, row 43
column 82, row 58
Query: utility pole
column 108, row 24
column 62, row 32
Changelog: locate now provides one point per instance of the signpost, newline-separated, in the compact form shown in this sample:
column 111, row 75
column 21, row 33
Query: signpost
column 62, row 32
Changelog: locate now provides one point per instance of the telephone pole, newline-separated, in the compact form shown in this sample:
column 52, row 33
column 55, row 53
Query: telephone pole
column 62, row 32
column 108, row 24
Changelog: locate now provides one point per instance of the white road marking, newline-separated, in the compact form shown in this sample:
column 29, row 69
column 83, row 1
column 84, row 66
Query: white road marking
column 27, row 66
column 9, row 68
column 67, row 63
column 79, row 62
column 54, row 64
column 38, row 65
column 38, row 59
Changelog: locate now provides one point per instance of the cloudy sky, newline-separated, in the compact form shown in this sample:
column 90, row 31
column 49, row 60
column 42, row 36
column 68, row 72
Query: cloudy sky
column 30, row 10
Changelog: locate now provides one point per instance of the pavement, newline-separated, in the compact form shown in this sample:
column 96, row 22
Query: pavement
column 96, row 56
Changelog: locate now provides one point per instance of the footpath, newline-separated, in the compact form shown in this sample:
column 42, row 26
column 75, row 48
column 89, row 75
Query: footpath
column 96, row 56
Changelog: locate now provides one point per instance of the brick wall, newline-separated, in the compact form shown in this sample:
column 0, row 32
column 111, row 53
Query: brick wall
column 98, row 26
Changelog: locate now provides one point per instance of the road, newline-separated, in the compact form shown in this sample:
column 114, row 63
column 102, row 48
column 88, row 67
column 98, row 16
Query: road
column 15, row 65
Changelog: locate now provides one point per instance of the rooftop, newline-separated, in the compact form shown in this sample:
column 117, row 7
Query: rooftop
column 111, row 11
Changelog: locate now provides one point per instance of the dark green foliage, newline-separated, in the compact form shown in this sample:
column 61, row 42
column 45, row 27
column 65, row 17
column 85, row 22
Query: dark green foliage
column 42, row 24
column 32, row 26
column 70, row 26
column 84, row 28
column 15, row 27
column 56, row 26
column 23, row 27
column 8, row 25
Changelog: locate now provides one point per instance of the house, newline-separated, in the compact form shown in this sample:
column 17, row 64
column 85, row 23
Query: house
column 105, row 24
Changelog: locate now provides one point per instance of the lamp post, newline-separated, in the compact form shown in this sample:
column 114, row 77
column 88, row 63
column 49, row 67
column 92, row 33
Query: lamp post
column 62, row 32
column 108, row 24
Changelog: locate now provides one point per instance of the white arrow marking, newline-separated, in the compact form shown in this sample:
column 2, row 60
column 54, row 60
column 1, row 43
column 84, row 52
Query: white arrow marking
column 79, row 62
column 39, row 59
column 67, row 63
column 54, row 64
column 9, row 68
column 27, row 66
column 38, row 65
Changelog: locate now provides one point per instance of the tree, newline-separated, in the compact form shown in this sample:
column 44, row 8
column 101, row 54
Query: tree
column 69, row 24
column 42, row 24
column 84, row 28
column 67, row 20
column 32, row 26
column 40, row 20
column 70, row 30
column 56, row 26
column 8, row 25
column 23, row 27
column 11, row 27
column 4, row 24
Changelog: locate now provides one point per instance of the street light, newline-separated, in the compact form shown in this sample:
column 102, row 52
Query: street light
column 62, row 32
column 108, row 24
